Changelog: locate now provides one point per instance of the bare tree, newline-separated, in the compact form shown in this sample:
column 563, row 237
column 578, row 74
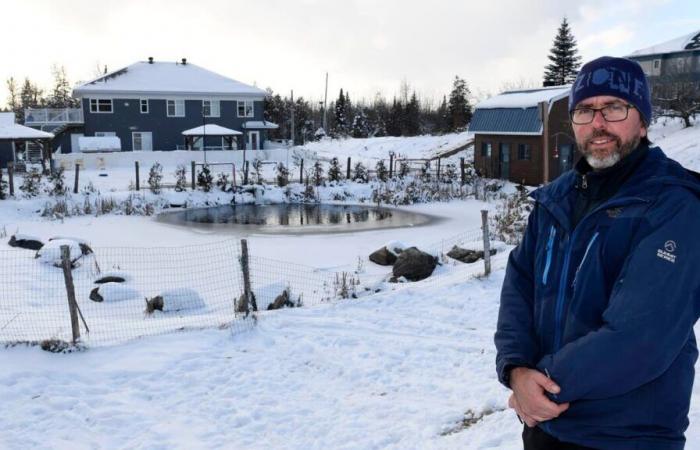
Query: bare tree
column 676, row 94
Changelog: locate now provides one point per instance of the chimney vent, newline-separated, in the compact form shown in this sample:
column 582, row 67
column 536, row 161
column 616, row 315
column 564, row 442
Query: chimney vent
column 184, row 61
column 150, row 60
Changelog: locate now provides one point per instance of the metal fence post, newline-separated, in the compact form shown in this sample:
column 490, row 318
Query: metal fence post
column 487, row 241
column 70, row 291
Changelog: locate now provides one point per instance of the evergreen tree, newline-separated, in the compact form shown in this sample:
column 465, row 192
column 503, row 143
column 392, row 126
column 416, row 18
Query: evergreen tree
column 30, row 95
column 282, row 175
column 318, row 173
column 222, row 181
column 381, row 170
column 412, row 117
column 61, row 93
column 360, row 127
column 58, row 182
column 204, row 179
column 341, row 120
column 360, row 173
column 334, row 172
column 564, row 58
column 181, row 178
column 155, row 178
column 395, row 124
column 459, row 111
column 13, row 99
column 442, row 124
column 404, row 169
column 31, row 183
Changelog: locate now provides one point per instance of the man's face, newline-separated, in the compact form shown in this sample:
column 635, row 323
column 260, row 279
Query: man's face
column 604, row 143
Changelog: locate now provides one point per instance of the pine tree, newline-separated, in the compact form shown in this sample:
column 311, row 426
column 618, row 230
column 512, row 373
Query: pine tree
column 318, row 173
column 204, row 179
column 360, row 173
column 181, row 178
column 459, row 111
column 564, row 58
column 340, row 126
column 334, row 172
column 381, row 170
column 442, row 117
column 412, row 117
column 58, row 182
column 282, row 175
column 360, row 128
column 61, row 93
column 395, row 126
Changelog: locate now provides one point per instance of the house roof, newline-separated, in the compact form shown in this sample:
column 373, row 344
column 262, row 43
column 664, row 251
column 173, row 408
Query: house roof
column 680, row 44
column 514, row 112
column 167, row 79
column 9, row 130
column 211, row 129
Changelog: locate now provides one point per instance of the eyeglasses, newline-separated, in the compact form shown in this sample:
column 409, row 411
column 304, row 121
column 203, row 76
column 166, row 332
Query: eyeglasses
column 614, row 112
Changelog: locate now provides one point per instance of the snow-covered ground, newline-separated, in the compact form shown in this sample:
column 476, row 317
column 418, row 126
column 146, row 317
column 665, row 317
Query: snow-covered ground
column 398, row 369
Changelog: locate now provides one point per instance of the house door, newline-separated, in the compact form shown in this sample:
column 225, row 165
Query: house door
column 74, row 143
column 566, row 157
column 253, row 140
column 142, row 141
column 504, row 161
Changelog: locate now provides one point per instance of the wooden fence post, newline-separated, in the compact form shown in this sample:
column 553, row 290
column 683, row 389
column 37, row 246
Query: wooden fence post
column 245, row 172
column 11, row 177
column 248, row 298
column 462, row 168
column 77, row 175
column 138, row 184
column 194, row 175
column 233, row 183
column 70, row 291
column 301, row 172
column 487, row 241
column 348, row 169
column 391, row 164
column 438, row 169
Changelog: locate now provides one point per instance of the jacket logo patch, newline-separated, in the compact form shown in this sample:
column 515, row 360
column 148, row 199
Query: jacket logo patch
column 667, row 252
column 614, row 213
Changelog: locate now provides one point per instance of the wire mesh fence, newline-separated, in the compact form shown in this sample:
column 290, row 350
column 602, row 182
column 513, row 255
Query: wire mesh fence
column 127, row 293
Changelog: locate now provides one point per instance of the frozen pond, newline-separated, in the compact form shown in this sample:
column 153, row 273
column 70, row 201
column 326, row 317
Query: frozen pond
column 297, row 218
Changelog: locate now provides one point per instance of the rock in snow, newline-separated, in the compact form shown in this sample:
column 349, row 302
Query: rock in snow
column 175, row 300
column 113, row 292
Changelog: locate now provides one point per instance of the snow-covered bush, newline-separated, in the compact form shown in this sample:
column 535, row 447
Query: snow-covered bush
column 204, row 179
column 181, row 178
column 425, row 175
column 317, row 173
column 155, row 178
column 172, row 300
column 257, row 172
column 334, row 172
column 404, row 169
column 382, row 171
column 222, row 181
column 57, row 182
column 510, row 220
column 32, row 182
column 282, row 175
column 3, row 186
column 360, row 174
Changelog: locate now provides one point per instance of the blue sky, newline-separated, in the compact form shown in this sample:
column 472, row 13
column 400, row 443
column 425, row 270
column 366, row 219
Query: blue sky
column 367, row 46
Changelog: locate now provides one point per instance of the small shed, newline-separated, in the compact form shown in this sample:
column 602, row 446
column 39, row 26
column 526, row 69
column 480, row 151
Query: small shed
column 17, row 142
column 199, row 134
column 524, row 136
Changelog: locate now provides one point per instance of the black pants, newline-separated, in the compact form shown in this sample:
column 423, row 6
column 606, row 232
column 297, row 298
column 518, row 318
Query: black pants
column 536, row 439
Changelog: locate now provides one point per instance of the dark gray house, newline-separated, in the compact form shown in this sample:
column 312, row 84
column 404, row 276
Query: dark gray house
column 524, row 136
column 680, row 56
column 149, row 104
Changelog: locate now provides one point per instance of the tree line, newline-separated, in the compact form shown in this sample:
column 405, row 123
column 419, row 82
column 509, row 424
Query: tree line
column 30, row 95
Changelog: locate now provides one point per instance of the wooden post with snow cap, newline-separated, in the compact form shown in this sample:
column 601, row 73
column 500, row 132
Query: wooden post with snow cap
column 248, row 299
column 70, row 291
column 301, row 172
column 487, row 241
column 461, row 166
column 348, row 169
column 438, row 169
column 77, row 176
column 194, row 175
column 391, row 164
column 138, row 181
column 11, row 177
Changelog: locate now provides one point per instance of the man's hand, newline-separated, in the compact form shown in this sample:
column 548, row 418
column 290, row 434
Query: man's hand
column 529, row 399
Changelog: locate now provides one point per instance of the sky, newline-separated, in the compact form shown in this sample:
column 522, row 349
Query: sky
column 366, row 46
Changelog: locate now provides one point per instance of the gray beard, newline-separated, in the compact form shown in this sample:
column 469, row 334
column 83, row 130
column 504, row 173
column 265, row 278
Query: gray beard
column 612, row 159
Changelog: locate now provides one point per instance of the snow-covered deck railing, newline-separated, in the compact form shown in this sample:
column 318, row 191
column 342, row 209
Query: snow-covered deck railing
column 53, row 116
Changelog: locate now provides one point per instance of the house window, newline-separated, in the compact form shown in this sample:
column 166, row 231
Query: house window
column 245, row 108
column 525, row 152
column 144, row 106
column 104, row 133
column 101, row 105
column 657, row 63
column 486, row 149
column 210, row 108
column 176, row 108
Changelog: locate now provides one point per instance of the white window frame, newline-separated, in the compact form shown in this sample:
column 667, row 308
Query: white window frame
column 97, row 103
column 144, row 102
column 214, row 108
column 133, row 140
column 176, row 102
column 248, row 108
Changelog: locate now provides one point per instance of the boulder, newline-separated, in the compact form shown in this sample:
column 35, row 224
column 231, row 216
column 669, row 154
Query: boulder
column 82, row 243
column 173, row 300
column 383, row 257
column 467, row 256
column 414, row 265
column 95, row 295
column 51, row 252
column 281, row 301
column 25, row 241
column 113, row 292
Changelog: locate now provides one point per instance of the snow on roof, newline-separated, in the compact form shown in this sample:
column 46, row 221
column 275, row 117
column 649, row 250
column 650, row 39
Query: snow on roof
column 166, row 78
column 16, row 131
column 211, row 129
column 688, row 42
column 99, row 144
column 527, row 98
column 260, row 124
column 7, row 118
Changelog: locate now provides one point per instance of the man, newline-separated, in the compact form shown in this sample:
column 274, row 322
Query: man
column 595, row 329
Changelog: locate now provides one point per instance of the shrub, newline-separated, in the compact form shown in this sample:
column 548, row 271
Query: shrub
column 334, row 172
column 204, row 179
column 222, row 181
column 360, row 173
column 155, row 178
column 382, row 171
column 32, row 182
column 181, row 178
column 317, row 173
column 282, row 175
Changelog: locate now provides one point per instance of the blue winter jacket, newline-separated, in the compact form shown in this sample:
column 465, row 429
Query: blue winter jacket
column 607, row 308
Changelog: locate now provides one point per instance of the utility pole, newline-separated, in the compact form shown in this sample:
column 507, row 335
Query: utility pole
column 292, row 127
column 325, row 107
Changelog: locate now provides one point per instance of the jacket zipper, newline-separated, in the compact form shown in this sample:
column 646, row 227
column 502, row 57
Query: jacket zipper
column 564, row 278
column 550, row 248
column 588, row 248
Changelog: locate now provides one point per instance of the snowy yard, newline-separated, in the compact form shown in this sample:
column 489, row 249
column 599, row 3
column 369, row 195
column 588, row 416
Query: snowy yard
column 411, row 368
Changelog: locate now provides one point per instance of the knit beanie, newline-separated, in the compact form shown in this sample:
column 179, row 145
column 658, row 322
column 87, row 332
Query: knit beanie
column 618, row 77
